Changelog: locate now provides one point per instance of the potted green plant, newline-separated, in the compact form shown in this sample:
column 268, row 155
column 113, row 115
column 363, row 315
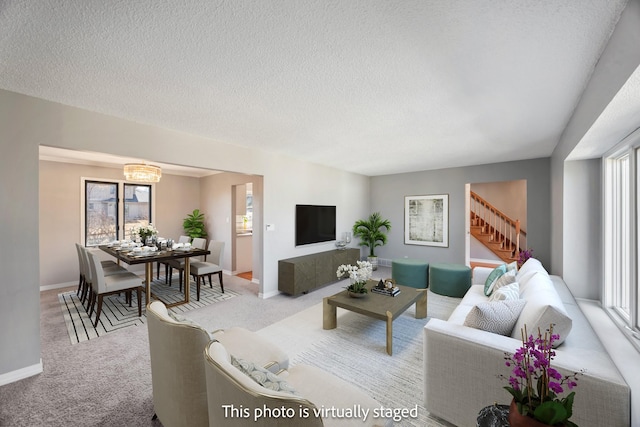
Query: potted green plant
column 193, row 224
column 536, row 386
column 372, row 233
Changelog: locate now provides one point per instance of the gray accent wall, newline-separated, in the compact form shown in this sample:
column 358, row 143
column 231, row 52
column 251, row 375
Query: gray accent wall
column 388, row 192
column 582, row 228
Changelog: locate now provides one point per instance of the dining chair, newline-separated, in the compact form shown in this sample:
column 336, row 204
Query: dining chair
column 103, row 285
column 82, row 280
column 178, row 264
column 203, row 269
column 109, row 268
column 181, row 239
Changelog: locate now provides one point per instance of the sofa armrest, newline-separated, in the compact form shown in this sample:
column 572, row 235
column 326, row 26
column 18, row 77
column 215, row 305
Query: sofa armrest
column 463, row 367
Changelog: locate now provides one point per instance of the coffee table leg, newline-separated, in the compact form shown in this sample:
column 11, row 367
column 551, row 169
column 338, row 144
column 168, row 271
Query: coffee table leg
column 421, row 305
column 389, row 333
column 329, row 315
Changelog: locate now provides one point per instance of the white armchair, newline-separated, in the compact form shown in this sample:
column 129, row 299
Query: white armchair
column 236, row 399
column 177, row 368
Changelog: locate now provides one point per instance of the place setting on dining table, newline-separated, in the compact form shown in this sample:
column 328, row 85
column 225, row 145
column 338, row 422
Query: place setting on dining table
column 154, row 249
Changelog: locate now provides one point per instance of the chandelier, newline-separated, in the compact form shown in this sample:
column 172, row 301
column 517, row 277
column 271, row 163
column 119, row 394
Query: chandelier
column 141, row 172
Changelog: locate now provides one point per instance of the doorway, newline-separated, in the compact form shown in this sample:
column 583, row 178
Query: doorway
column 242, row 230
column 495, row 222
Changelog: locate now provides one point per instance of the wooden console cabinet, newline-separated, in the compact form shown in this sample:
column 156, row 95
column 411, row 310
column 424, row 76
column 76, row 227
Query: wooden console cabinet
column 305, row 273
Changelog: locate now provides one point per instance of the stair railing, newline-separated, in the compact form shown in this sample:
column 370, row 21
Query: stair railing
column 502, row 228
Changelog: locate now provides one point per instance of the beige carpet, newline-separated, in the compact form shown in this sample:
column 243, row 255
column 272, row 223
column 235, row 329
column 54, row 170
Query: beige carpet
column 356, row 352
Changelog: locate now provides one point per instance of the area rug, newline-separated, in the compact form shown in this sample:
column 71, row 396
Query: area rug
column 356, row 352
column 116, row 313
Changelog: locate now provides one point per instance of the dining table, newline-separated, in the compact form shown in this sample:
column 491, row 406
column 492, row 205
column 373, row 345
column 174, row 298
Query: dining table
column 132, row 257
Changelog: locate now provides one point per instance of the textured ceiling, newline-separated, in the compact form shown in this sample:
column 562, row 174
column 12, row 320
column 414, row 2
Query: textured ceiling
column 369, row 86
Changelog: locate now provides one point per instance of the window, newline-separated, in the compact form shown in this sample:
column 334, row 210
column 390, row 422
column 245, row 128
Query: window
column 621, row 258
column 107, row 217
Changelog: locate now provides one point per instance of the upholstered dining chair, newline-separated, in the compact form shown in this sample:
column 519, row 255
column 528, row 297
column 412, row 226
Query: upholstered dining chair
column 176, row 345
column 178, row 264
column 181, row 239
column 103, row 285
column 203, row 269
column 109, row 268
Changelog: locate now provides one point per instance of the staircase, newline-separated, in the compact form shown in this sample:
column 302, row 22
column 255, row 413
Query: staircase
column 501, row 234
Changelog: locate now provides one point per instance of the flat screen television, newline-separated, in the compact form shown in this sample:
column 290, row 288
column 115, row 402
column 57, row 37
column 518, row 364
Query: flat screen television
column 315, row 224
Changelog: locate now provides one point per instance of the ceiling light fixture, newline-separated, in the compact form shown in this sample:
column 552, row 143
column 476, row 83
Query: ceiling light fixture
column 141, row 172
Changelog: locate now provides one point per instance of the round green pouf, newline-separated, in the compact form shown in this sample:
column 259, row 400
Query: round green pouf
column 453, row 280
column 410, row 272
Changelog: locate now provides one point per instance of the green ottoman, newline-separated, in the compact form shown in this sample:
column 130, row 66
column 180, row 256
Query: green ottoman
column 453, row 280
column 410, row 272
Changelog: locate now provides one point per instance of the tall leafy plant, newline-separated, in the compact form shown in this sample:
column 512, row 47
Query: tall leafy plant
column 193, row 224
column 372, row 231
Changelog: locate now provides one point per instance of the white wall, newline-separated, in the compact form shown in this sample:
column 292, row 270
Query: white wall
column 26, row 123
column 619, row 60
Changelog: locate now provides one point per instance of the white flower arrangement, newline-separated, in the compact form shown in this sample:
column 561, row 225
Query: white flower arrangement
column 144, row 231
column 359, row 275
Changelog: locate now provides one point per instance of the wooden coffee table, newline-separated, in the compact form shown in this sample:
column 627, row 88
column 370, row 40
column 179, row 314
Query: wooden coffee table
column 377, row 306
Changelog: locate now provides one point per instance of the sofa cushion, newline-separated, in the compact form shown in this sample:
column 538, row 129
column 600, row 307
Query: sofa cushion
column 507, row 292
column 493, row 276
column 496, row 316
column 266, row 379
column 531, row 264
column 543, row 308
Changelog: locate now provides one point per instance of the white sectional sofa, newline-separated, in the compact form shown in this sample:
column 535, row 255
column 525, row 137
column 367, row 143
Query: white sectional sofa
column 462, row 364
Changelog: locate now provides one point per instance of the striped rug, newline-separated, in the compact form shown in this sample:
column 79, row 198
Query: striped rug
column 116, row 313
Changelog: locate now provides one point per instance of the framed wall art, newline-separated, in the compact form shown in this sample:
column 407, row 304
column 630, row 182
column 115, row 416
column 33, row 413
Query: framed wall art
column 426, row 220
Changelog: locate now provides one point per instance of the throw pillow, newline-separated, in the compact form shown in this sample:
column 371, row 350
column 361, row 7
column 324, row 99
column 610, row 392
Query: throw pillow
column 512, row 266
column 504, row 280
column 493, row 276
column 497, row 317
column 260, row 375
column 186, row 321
column 506, row 292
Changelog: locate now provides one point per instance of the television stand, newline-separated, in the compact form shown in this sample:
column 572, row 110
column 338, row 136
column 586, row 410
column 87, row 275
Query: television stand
column 305, row 273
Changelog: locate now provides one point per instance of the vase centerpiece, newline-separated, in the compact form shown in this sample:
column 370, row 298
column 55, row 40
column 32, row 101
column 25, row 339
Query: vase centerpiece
column 358, row 275
column 372, row 233
column 144, row 233
column 535, row 386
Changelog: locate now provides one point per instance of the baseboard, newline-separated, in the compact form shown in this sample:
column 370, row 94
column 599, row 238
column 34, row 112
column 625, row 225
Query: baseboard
column 384, row 262
column 268, row 295
column 20, row 374
column 57, row 286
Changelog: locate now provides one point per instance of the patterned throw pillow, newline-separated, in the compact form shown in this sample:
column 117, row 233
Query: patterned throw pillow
column 506, row 292
column 266, row 379
column 504, row 280
column 186, row 321
column 493, row 276
column 498, row 317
